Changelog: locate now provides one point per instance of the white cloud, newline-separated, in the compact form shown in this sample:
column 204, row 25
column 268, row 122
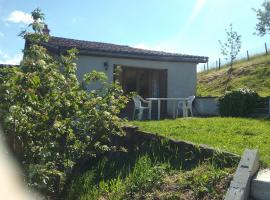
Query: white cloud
column 17, row 16
column 12, row 60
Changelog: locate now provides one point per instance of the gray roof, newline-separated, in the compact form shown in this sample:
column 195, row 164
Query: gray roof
column 58, row 44
column 8, row 65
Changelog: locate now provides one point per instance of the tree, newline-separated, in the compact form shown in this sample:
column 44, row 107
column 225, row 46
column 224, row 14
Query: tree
column 47, row 116
column 230, row 49
column 263, row 16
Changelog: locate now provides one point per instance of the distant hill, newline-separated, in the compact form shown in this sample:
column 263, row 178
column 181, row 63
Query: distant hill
column 254, row 74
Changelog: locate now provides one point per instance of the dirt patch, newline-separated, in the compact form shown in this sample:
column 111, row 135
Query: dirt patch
column 201, row 183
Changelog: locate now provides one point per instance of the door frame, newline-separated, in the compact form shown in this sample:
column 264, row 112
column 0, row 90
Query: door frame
column 163, row 83
column 164, row 91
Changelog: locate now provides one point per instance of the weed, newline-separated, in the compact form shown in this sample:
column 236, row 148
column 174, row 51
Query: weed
column 145, row 177
column 205, row 180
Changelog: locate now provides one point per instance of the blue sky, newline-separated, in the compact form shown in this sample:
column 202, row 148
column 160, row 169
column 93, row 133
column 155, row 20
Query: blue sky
column 183, row 26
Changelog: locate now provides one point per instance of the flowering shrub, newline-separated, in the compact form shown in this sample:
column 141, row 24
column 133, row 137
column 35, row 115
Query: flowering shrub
column 51, row 122
column 241, row 103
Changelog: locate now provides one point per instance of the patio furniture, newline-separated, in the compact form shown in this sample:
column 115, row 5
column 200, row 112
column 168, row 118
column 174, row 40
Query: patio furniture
column 168, row 99
column 138, row 100
column 186, row 106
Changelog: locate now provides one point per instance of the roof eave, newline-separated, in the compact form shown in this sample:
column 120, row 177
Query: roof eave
column 191, row 59
column 145, row 57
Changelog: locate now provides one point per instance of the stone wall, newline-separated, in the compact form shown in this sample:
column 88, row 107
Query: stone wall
column 176, row 152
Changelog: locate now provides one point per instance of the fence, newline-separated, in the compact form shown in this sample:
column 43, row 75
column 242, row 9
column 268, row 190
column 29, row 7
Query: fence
column 244, row 55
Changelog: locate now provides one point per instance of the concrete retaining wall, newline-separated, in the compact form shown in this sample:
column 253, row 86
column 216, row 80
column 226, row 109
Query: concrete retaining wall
column 240, row 185
column 174, row 151
column 206, row 106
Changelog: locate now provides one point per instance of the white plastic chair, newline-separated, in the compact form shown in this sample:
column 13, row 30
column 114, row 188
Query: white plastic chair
column 189, row 104
column 138, row 100
column 186, row 106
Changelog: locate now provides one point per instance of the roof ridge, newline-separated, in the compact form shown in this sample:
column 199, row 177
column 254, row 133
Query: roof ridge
column 110, row 49
column 89, row 41
column 120, row 45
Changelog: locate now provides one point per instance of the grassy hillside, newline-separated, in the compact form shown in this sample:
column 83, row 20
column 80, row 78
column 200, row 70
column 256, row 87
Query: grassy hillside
column 254, row 74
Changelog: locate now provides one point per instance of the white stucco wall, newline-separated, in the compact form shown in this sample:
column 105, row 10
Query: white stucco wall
column 181, row 76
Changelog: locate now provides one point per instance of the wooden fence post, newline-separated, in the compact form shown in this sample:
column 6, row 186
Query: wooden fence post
column 207, row 66
column 247, row 55
column 266, row 50
column 203, row 67
column 219, row 63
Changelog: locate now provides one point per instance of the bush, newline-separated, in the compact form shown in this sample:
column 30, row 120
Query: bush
column 51, row 122
column 241, row 103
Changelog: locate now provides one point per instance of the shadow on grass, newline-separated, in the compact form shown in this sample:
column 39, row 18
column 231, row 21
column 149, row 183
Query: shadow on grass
column 114, row 164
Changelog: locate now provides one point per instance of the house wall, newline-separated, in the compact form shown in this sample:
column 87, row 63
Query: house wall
column 182, row 77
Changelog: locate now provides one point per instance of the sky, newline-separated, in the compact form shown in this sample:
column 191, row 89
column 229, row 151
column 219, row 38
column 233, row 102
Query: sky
column 182, row 26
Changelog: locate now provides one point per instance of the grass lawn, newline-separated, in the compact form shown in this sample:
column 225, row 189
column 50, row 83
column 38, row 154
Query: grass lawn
column 229, row 134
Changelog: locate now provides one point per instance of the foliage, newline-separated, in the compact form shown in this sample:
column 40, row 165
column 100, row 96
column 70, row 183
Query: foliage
column 263, row 16
column 85, row 187
column 240, row 103
column 145, row 176
column 50, row 121
column 224, row 133
column 232, row 46
column 230, row 49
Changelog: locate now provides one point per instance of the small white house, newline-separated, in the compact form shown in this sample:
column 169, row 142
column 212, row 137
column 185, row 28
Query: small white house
column 149, row 73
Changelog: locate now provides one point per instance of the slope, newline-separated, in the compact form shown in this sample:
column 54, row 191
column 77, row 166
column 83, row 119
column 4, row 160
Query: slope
column 254, row 74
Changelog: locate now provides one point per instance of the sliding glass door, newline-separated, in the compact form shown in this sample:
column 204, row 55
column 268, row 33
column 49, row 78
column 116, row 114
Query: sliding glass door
column 145, row 82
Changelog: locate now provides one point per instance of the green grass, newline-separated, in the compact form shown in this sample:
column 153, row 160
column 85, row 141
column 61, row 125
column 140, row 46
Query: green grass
column 205, row 182
column 254, row 74
column 148, row 179
column 229, row 134
column 144, row 177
